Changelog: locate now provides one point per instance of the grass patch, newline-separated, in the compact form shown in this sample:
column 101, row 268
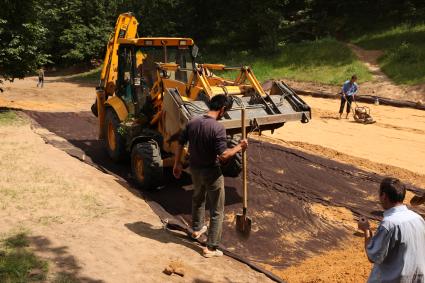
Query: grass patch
column 18, row 264
column 10, row 117
column 91, row 76
column 19, row 240
column 404, row 52
column 38, row 190
column 325, row 61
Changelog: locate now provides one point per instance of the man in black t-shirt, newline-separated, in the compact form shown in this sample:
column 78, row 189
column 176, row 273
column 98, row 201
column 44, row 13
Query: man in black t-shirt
column 207, row 148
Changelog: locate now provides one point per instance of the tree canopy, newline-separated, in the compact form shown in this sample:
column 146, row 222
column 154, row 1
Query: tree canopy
column 22, row 36
column 68, row 32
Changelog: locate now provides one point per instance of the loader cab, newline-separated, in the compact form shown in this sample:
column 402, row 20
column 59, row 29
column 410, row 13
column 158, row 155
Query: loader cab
column 138, row 69
column 150, row 56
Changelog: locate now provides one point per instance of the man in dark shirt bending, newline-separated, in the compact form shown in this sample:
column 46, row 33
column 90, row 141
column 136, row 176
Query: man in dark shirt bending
column 207, row 148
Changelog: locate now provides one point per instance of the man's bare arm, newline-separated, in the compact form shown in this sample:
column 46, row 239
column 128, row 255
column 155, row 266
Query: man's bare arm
column 228, row 153
column 177, row 170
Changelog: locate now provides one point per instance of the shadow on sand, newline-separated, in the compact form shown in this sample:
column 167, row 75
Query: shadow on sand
column 162, row 235
column 68, row 268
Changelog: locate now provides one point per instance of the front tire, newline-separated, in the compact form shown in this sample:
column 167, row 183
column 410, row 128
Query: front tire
column 146, row 165
column 114, row 141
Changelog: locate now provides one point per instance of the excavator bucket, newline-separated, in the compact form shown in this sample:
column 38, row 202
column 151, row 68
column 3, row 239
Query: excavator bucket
column 279, row 105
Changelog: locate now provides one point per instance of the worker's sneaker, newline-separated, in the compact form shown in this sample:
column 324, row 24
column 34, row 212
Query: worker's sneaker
column 212, row 253
column 197, row 234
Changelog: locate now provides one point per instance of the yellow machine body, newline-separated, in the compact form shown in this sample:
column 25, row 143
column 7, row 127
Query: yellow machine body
column 150, row 92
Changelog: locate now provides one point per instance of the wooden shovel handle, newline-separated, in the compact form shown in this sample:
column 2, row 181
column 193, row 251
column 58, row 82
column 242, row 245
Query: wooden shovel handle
column 244, row 163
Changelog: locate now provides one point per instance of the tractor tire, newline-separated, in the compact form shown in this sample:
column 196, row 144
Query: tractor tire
column 233, row 167
column 114, row 141
column 146, row 165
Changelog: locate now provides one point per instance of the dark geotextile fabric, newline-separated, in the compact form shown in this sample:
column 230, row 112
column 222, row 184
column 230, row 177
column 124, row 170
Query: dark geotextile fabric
column 284, row 184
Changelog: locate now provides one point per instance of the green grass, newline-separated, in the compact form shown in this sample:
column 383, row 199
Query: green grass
column 10, row 117
column 19, row 240
column 18, row 264
column 91, row 76
column 404, row 52
column 325, row 61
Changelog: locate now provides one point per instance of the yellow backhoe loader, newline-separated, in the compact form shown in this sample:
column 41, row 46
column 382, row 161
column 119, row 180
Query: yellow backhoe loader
column 150, row 87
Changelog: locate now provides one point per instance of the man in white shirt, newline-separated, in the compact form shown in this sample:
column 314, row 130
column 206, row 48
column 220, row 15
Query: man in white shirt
column 398, row 247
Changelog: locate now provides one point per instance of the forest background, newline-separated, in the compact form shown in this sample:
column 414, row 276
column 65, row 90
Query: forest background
column 63, row 33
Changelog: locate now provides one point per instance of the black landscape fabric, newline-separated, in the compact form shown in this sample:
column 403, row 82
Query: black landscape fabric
column 284, row 187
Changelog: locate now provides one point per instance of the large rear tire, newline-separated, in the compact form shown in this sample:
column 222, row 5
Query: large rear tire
column 146, row 165
column 114, row 141
column 233, row 167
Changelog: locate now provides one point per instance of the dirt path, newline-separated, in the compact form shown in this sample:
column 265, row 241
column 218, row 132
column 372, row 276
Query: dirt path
column 56, row 95
column 381, row 84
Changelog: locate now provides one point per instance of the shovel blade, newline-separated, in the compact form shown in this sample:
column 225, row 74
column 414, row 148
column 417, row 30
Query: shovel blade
column 243, row 224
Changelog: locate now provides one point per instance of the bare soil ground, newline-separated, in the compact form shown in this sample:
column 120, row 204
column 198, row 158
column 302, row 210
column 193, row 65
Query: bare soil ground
column 83, row 226
column 56, row 95
column 397, row 138
column 84, row 221
column 394, row 146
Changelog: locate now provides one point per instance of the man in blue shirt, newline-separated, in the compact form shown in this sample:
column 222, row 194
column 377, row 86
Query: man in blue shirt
column 398, row 247
column 349, row 89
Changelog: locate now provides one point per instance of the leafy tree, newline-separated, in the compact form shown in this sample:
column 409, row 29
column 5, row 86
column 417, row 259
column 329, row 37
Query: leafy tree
column 67, row 32
column 78, row 29
column 21, row 38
